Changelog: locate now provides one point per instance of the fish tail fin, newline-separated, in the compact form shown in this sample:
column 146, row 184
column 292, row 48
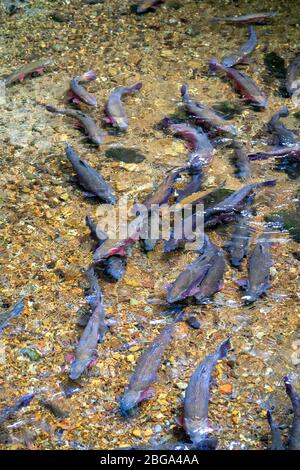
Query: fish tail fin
column 268, row 183
column 134, row 88
column 294, row 397
column 184, row 91
column 88, row 76
column 276, row 437
column 223, row 349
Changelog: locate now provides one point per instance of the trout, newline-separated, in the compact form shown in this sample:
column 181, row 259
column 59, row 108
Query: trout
column 197, row 398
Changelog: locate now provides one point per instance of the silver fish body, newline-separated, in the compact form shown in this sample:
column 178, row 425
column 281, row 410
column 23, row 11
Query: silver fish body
column 196, row 398
column 89, row 178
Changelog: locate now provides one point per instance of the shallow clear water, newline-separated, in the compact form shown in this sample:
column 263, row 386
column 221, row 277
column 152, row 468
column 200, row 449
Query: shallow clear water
column 45, row 245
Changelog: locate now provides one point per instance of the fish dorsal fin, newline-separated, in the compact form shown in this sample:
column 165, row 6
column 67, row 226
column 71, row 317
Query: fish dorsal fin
column 83, row 163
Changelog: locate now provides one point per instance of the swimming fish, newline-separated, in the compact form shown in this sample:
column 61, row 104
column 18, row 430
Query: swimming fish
column 241, row 160
column 90, row 179
column 112, row 247
column 238, row 245
column 254, row 18
column 114, row 109
column 192, row 187
column 85, row 122
column 201, row 150
column 86, row 349
column 78, row 93
column 96, row 232
column 213, row 279
column 145, row 372
column 243, row 83
column 259, row 275
column 196, row 399
column 281, row 135
column 277, row 152
column 188, row 283
column 165, row 190
column 294, row 434
column 226, row 209
column 205, row 115
column 22, row 72
column 243, row 52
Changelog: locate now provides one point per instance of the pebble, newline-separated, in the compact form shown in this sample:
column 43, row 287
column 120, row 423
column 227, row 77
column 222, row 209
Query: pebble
column 181, row 385
column 194, row 322
column 130, row 358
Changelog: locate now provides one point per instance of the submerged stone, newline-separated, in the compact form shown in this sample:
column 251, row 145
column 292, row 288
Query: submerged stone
column 31, row 353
